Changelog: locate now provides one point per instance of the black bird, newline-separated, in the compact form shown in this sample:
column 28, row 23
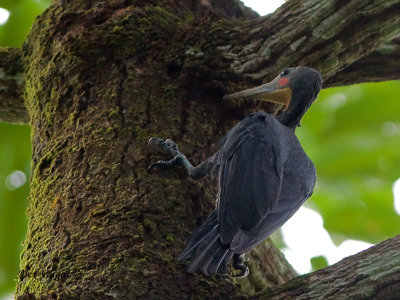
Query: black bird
column 264, row 176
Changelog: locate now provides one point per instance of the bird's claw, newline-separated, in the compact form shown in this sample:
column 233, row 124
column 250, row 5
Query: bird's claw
column 168, row 146
column 244, row 271
column 165, row 163
column 238, row 264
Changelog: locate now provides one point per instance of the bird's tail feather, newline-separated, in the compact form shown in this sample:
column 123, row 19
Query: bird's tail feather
column 214, row 265
column 205, row 250
column 199, row 234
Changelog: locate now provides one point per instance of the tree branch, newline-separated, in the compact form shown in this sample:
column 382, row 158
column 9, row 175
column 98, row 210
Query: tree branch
column 371, row 274
column 383, row 64
column 326, row 35
column 12, row 108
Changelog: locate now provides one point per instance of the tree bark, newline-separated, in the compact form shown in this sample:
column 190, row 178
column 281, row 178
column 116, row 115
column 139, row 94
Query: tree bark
column 12, row 108
column 256, row 51
column 371, row 274
column 103, row 77
column 326, row 35
column 382, row 64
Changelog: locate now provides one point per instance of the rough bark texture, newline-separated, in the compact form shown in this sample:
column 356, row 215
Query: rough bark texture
column 382, row 64
column 327, row 35
column 12, row 108
column 352, row 62
column 104, row 76
column 371, row 274
column 99, row 225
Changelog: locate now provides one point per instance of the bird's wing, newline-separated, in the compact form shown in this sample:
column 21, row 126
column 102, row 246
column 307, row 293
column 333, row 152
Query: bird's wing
column 297, row 186
column 250, row 178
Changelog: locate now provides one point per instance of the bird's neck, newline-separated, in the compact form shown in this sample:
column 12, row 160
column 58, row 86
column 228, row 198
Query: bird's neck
column 291, row 117
column 298, row 106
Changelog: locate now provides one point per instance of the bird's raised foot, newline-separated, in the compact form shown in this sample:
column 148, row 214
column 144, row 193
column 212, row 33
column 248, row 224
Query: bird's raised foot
column 169, row 147
column 238, row 264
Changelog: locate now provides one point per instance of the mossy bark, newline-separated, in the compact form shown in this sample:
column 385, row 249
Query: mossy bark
column 371, row 274
column 101, row 78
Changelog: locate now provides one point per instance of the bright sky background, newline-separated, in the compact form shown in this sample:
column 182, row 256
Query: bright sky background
column 263, row 7
column 396, row 195
column 4, row 14
column 304, row 233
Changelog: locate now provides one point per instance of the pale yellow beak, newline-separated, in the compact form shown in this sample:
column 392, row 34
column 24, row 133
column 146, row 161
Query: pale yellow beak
column 270, row 92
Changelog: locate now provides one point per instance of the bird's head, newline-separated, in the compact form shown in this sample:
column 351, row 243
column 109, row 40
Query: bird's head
column 295, row 88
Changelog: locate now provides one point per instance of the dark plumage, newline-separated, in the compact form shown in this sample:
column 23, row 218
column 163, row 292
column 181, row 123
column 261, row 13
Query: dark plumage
column 264, row 176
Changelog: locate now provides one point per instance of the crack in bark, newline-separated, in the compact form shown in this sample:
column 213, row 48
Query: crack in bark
column 121, row 110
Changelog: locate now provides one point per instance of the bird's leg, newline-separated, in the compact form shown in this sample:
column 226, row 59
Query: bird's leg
column 170, row 148
column 238, row 264
column 179, row 159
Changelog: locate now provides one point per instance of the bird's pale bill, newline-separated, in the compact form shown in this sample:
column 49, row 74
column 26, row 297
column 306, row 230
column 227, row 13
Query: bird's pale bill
column 277, row 91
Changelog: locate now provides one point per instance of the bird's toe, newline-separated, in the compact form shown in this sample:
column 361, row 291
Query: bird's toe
column 244, row 271
column 238, row 264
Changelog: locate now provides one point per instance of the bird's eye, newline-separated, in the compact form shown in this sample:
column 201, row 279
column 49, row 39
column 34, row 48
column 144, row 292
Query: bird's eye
column 285, row 72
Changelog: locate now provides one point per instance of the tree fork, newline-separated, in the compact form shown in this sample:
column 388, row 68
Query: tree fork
column 381, row 64
column 320, row 35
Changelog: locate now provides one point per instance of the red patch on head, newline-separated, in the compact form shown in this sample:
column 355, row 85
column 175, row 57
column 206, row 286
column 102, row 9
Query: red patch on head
column 283, row 81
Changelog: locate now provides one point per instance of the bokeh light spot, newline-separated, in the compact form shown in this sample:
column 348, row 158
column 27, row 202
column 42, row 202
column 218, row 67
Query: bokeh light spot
column 390, row 129
column 335, row 101
column 396, row 196
column 4, row 14
column 306, row 238
column 15, row 180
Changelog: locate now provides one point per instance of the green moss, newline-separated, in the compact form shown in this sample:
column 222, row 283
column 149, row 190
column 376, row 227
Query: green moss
column 103, row 221
column 170, row 237
column 118, row 29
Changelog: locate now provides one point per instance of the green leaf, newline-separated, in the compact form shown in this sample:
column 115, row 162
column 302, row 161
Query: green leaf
column 318, row 262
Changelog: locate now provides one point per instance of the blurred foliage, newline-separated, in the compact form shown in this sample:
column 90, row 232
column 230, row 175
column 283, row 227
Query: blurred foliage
column 353, row 136
column 318, row 262
column 351, row 133
column 15, row 154
column 22, row 15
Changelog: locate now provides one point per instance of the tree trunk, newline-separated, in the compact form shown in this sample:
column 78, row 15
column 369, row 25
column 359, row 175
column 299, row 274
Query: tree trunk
column 102, row 77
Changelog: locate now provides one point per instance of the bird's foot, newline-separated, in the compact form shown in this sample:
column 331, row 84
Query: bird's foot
column 238, row 264
column 168, row 147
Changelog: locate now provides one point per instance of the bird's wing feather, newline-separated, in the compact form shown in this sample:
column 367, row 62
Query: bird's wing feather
column 296, row 187
column 250, row 175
